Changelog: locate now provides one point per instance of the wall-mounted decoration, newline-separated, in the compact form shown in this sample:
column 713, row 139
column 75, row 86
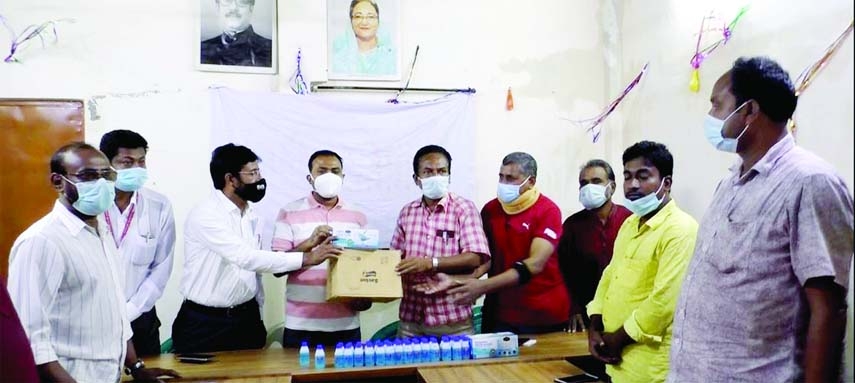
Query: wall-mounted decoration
column 237, row 36
column 363, row 40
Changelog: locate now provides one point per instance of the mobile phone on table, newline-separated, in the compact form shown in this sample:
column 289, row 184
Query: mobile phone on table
column 583, row 377
column 195, row 358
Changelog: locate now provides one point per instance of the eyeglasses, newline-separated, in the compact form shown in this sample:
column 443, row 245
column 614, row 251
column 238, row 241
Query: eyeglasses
column 254, row 173
column 242, row 3
column 360, row 17
column 87, row 175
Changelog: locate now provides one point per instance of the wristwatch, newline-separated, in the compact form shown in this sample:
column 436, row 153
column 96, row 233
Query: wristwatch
column 435, row 263
column 132, row 369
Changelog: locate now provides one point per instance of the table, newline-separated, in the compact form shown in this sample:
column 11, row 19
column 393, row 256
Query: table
column 282, row 366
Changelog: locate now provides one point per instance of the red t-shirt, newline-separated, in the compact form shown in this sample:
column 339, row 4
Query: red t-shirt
column 543, row 301
column 16, row 356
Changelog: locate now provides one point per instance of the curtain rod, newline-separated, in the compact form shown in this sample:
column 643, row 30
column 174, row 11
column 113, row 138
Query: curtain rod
column 320, row 87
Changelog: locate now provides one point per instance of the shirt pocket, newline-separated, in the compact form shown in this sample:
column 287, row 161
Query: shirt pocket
column 144, row 252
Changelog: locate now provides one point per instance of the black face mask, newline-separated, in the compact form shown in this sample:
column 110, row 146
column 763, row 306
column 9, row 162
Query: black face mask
column 253, row 192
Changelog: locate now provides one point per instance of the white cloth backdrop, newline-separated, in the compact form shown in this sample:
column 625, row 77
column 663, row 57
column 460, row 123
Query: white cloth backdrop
column 376, row 140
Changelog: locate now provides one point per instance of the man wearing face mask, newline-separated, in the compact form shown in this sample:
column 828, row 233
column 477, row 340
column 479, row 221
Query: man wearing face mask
column 142, row 225
column 301, row 226
column 223, row 260
column 633, row 307
column 65, row 281
column 525, row 291
column 588, row 239
column 764, row 298
column 439, row 232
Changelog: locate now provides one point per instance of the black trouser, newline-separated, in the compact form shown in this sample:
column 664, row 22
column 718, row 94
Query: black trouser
column 293, row 338
column 146, row 337
column 200, row 328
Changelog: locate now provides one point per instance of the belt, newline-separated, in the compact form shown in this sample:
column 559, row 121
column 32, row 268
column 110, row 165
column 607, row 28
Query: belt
column 225, row 312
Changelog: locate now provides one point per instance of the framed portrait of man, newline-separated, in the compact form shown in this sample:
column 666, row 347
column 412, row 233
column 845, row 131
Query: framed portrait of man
column 237, row 36
column 363, row 40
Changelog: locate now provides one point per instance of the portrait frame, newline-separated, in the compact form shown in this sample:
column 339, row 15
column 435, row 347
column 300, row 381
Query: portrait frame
column 345, row 59
column 211, row 54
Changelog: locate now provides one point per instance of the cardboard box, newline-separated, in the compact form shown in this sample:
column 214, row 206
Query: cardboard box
column 368, row 239
column 364, row 274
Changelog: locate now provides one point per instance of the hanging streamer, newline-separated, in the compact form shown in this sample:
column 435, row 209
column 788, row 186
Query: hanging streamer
column 29, row 33
column 700, row 55
column 807, row 76
column 593, row 123
column 298, row 85
column 394, row 100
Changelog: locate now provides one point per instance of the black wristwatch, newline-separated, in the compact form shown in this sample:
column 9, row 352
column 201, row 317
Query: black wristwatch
column 136, row 367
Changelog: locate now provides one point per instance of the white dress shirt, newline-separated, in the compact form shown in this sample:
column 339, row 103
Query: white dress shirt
column 223, row 257
column 146, row 245
column 64, row 282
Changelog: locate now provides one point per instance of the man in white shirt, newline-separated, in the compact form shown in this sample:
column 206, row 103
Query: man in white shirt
column 223, row 260
column 64, row 278
column 143, row 227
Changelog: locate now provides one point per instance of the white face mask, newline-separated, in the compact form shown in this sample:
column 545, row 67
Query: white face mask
column 507, row 193
column 435, row 187
column 592, row 196
column 328, row 185
column 713, row 128
column 644, row 205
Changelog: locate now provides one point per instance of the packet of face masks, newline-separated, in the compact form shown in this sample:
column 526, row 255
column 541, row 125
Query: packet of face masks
column 357, row 238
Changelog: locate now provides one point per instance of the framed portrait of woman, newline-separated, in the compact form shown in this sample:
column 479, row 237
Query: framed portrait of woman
column 237, row 36
column 363, row 40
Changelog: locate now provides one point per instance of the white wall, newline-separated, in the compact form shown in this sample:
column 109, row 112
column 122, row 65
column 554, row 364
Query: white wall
column 563, row 59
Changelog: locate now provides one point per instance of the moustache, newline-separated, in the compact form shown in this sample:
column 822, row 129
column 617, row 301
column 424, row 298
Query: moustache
column 233, row 13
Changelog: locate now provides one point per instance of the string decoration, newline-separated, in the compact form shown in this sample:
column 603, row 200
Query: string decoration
column 298, row 84
column 394, row 100
column 29, row 33
column 593, row 123
column 726, row 30
column 807, row 76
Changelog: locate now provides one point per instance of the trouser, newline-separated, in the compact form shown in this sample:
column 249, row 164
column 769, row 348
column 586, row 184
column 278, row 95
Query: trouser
column 293, row 338
column 200, row 328
column 146, row 337
column 410, row 329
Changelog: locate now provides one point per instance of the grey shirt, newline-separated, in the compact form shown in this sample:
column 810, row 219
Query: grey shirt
column 742, row 314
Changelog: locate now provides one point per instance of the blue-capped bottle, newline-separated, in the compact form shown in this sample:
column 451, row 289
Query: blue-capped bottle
column 456, row 348
column 466, row 348
column 407, row 356
column 358, row 355
column 348, row 355
column 338, row 355
column 445, row 348
column 425, row 357
column 320, row 357
column 379, row 353
column 390, row 352
column 369, row 354
column 399, row 351
column 304, row 355
column 417, row 350
column 435, row 352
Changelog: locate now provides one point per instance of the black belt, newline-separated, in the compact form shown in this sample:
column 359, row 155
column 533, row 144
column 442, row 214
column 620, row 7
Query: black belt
column 225, row 312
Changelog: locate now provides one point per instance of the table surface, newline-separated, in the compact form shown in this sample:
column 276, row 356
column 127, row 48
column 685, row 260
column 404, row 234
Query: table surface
column 282, row 365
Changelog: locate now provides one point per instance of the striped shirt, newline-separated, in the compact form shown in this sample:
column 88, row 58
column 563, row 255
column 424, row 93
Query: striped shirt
column 453, row 228
column 146, row 246
column 223, row 257
column 63, row 280
column 306, row 307
column 742, row 313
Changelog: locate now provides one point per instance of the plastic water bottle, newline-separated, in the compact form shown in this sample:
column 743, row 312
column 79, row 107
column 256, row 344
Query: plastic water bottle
column 445, row 348
column 456, row 348
column 338, row 355
column 348, row 355
column 466, row 348
column 320, row 357
column 425, row 357
column 358, row 355
column 304, row 354
column 379, row 353
column 399, row 351
column 417, row 350
column 390, row 352
column 434, row 350
column 407, row 357
column 369, row 354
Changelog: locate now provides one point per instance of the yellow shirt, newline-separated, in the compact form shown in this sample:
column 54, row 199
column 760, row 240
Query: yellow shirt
column 639, row 290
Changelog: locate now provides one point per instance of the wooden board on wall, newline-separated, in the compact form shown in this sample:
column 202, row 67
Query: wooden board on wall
column 31, row 131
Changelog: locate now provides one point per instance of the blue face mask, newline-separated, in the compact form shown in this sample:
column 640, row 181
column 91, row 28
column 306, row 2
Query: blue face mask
column 713, row 128
column 130, row 180
column 507, row 193
column 93, row 197
column 644, row 205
